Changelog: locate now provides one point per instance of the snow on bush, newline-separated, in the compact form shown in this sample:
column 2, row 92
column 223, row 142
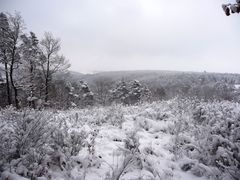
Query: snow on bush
column 174, row 139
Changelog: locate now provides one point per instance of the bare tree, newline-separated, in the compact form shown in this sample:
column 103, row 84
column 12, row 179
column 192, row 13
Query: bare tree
column 102, row 85
column 51, row 61
column 12, row 32
column 16, row 26
column 4, row 42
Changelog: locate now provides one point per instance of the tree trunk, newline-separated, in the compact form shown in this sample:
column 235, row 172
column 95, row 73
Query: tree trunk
column 7, row 81
column 32, row 89
column 11, row 78
column 47, row 80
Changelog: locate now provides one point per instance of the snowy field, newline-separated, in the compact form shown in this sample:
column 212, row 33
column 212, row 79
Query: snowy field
column 175, row 140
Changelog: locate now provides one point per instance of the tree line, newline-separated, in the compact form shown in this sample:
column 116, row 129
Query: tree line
column 28, row 63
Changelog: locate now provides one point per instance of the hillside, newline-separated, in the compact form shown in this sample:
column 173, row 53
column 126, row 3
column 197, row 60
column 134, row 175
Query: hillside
column 152, row 75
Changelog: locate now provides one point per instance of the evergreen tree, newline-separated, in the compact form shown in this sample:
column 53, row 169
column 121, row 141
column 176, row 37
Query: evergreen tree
column 87, row 96
column 30, row 67
column 120, row 93
column 138, row 92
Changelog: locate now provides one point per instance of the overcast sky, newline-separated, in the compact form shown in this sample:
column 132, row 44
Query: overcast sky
column 103, row 35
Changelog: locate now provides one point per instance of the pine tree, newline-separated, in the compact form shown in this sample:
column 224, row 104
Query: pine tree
column 30, row 67
column 138, row 92
column 87, row 96
column 135, row 92
column 72, row 96
column 120, row 94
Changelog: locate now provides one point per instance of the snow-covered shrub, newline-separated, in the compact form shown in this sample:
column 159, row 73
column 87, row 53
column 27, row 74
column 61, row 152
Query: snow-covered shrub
column 67, row 142
column 34, row 142
column 77, row 141
column 115, row 116
column 132, row 142
column 143, row 123
column 216, row 141
column 70, row 142
column 23, row 137
column 112, row 115
column 180, row 138
column 122, row 168
column 130, row 158
column 92, row 159
column 155, row 112
column 199, row 114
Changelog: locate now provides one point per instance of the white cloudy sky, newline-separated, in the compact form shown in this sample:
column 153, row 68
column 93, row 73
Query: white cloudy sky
column 100, row 35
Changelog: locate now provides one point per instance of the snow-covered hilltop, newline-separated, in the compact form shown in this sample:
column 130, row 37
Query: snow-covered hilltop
column 174, row 139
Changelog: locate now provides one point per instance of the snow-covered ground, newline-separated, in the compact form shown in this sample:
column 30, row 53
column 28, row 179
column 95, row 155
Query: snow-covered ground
column 153, row 147
column 134, row 142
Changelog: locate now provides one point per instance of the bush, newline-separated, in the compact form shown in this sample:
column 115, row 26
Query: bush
column 216, row 138
column 24, row 135
column 32, row 142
